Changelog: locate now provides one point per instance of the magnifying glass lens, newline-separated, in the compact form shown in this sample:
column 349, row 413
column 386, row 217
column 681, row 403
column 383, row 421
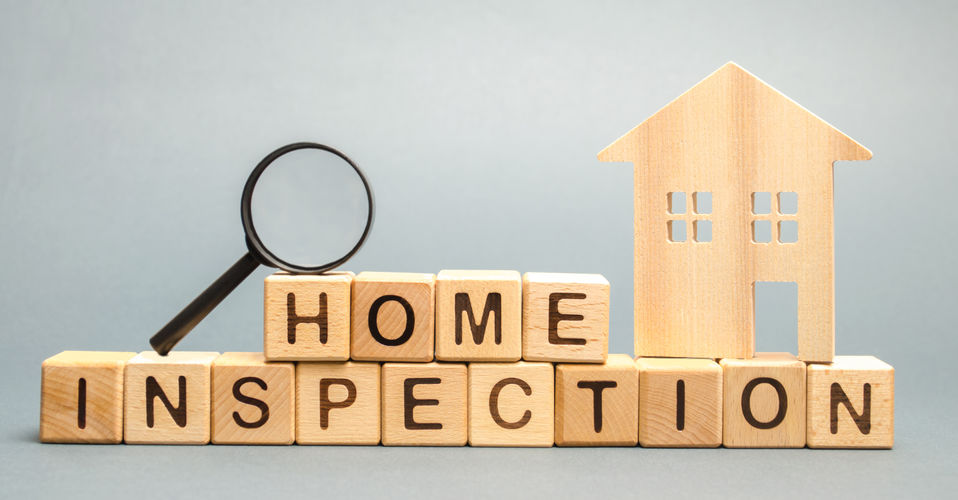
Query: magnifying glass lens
column 309, row 207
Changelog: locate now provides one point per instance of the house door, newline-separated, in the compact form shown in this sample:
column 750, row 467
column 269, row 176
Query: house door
column 776, row 316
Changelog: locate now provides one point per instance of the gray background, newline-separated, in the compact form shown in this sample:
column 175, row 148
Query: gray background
column 127, row 131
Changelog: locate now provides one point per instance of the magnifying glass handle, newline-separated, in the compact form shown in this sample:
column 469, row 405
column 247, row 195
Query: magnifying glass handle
column 191, row 315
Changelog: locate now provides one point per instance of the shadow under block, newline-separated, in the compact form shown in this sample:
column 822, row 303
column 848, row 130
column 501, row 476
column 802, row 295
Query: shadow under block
column 81, row 397
column 565, row 317
column 338, row 403
column 478, row 316
column 306, row 316
column 764, row 401
column 393, row 316
column 851, row 403
column 424, row 404
column 680, row 402
column 597, row 405
column 167, row 398
column 253, row 401
column 511, row 404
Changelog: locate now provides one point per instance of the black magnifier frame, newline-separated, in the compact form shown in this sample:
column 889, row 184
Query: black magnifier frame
column 174, row 331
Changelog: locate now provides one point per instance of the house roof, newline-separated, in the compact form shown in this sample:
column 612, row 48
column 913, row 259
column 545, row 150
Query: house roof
column 733, row 86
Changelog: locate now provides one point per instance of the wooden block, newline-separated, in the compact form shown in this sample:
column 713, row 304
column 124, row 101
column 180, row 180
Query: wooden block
column 727, row 139
column 393, row 316
column 597, row 405
column 851, row 403
column 424, row 404
column 764, row 401
column 253, row 401
column 338, row 403
column 565, row 317
column 478, row 316
column 167, row 398
column 81, row 397
column 511, row 404
column 680, row 402
column 306, row 316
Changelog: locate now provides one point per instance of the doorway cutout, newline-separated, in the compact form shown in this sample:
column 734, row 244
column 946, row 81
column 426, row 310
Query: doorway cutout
column 776, row 316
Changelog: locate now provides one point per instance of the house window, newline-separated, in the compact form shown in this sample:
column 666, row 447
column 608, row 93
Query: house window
column 779, row 225
column 683, row 220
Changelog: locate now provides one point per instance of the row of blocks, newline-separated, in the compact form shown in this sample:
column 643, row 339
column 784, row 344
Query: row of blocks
column 456, row 316
column 772, row 400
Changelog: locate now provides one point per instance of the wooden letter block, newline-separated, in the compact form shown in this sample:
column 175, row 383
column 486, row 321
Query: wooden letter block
column 851, row 403
column 424, row 404
column 306, row 316
column 478, row 316
column 393, row 317
column 81, row 397
column 252, row 400
column 338, row 403
column 511, row 404
column 764, row 401
column 680, row 403
column 597, row 405
column 565, row 317
column 167, row 398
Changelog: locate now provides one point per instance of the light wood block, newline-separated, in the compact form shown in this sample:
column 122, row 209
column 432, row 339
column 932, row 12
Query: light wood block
column 851, row 403
column 393, row 317
column 424, row 404
column 338, row 403
column 511, row 404
column 597, row 405
column 764, row 401
column 680, row 403
column 565, row 317
column 478, row 316
column 306, row 316
column 81, row 397
column 728, row 138
column 253, row 401
column 167, row 398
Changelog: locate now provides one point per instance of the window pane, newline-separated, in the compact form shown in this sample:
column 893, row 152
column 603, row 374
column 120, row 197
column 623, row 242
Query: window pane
column 702, row 201
column 788, row 203
column 703, row 231
column 762, row 231
column 788, row 231
column 762, row 203
column 677, row 230
column 677, row 202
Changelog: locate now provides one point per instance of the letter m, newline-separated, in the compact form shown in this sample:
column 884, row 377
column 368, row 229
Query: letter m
column 493, row 305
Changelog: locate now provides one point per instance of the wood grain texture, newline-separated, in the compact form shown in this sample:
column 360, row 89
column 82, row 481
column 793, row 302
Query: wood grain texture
column 731, row 135
column 338, row 403
column 393, row 317
column 680, row 403
column 424, row 404
column 565, row 317
column 483, row 303
column 253, row 402
column 764, row 401
column 511, row 404
column 831, row 423
column 319, row 333
column 579, row 422
column 149, row 374
column 81, row 397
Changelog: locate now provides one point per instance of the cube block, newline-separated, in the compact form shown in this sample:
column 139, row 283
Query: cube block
column 393, row 317
column 851, row 403
column 338, row 403
column 478, row 316
column 597, row 404
column 306, row 316
column 565, row 317
column 253, row 401
column 511, row 404
column 764, row 401
column 424, row 404
column 680, row 402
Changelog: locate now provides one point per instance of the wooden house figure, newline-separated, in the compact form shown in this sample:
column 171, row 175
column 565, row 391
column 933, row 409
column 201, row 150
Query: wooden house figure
column 733, row 185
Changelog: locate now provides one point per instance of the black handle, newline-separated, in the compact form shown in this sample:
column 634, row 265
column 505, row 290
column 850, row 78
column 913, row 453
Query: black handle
column 191, row 315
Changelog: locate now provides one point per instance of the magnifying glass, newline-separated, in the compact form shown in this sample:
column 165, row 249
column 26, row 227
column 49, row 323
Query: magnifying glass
column 313, row 206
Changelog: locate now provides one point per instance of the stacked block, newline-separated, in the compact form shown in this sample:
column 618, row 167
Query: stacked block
column 485, row 358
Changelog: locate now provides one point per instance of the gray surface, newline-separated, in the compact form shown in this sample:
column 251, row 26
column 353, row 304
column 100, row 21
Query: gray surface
column 127, row 133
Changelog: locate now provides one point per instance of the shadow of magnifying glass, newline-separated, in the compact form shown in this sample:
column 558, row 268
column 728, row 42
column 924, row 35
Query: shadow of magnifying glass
column 317, row 226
